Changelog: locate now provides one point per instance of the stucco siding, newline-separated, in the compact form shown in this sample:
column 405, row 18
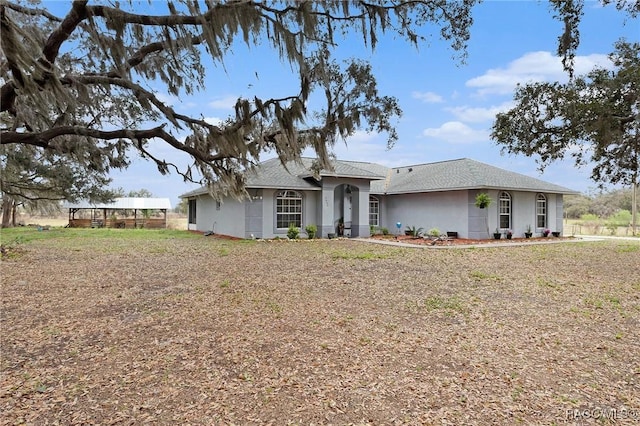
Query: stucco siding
column 205, row 210
column 310, row 206
column 230, row 218
column 479, row 222
column 523, row 205
column 447, row 211
column 523, row 213
column 559, row 213
column 226, row 218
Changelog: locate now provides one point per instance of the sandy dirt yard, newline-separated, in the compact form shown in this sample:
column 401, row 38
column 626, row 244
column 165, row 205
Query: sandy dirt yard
column 107, row 327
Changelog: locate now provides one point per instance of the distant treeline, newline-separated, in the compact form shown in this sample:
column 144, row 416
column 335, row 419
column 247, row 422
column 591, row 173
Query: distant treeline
column 615, row 204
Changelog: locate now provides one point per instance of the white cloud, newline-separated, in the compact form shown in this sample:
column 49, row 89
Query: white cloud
column 226, row 102
column 533, row 67
column 214, row 121
column 479, row 114
column 363, row 146
column 167, row 99
column 358, row 146
column 427, row 97
column 456, row 132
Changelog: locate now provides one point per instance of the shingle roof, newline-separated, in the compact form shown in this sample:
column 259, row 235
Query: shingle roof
column 463, row 174
column 271, row 174
column 432, row 177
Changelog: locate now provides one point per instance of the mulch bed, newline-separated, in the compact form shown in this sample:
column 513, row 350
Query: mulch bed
column 463, row 241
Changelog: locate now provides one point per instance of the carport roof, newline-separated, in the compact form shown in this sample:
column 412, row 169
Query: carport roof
column 123, row 203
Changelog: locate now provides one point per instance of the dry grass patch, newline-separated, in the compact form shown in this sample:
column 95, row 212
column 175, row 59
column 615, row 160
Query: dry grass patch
column 117, row 328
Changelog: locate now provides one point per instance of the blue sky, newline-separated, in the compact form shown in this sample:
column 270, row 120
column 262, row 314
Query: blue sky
column 448, row 106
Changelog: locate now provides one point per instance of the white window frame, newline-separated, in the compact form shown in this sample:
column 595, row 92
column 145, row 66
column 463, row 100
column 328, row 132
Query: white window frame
column 504, row 209
column 542, row 208
column 374, row 211
column 288, row 203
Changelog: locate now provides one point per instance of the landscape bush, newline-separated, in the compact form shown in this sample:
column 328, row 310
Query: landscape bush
column 293, row 232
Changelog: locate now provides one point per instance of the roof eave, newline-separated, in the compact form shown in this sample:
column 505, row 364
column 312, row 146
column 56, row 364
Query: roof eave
column 484, row 187
column 299, row 188
column 344, row 176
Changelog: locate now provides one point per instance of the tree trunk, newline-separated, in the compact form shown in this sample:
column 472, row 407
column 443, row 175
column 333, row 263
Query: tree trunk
column 634, row 206
column 14, row 209
column 8, row 210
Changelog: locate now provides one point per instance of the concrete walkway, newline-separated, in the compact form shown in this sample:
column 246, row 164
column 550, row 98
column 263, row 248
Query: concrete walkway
column 538, row 241
column 608, row 237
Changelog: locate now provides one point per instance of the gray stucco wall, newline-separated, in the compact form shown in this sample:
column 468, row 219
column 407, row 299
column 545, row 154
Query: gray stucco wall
column 523, row 213
column 447, row 211
column 456, row 211
column 310, row 208
column 559, row 213
column 228, row 219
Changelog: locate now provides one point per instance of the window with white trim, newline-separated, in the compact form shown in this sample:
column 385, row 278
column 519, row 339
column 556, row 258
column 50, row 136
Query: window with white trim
column 288, row 209
column 504, row 210
column 541, row 211
column 374, row 211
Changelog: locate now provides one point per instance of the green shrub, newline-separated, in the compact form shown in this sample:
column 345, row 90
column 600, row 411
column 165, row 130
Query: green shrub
column 384, row 231
column 413, row 231
column 434, row 232
column 293, row 232
column 311, row 231
column 589, row 218
column 620, row 218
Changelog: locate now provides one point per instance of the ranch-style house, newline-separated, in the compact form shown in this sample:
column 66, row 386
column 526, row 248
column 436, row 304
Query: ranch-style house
column 356, row 197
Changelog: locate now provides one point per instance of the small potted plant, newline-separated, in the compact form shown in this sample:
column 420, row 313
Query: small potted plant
column 528, row 234
column 555, row 234
column 340, row 227
column 497, row 234
column 508, row 234
column 546, row 233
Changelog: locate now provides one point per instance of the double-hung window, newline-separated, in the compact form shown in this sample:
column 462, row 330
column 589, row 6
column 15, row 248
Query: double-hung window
column 288, row 209
column 374, row 211
column 504, row 210
column 541, row 211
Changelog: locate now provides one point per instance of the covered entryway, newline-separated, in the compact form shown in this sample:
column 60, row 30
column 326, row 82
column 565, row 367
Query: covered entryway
column 350, row 213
